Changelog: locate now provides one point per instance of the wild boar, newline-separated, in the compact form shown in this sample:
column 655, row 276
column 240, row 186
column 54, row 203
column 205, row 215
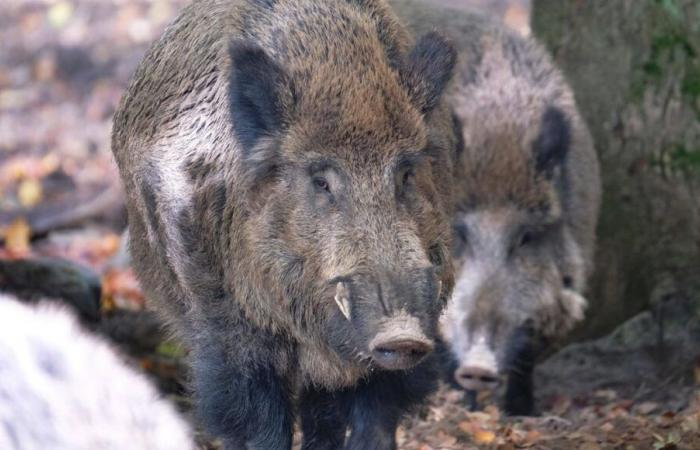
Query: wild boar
column 63, row 389
column 527, row 193
column 288, row 168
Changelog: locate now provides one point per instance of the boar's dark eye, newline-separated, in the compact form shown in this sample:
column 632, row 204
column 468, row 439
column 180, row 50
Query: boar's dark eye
column 404, row 177
column 435, row 255
column 528, row 238
column 321, row 184
column 407, row 176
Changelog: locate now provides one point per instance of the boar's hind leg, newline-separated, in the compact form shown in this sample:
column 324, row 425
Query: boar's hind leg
column 379, row 403
column 519, row 399
column 324, row 419
column 247, row 406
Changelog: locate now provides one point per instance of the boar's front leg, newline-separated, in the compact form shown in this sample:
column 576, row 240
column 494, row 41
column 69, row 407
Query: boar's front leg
column 519, row 399
column 238, row 395
column 324, row 419
column 379, row 403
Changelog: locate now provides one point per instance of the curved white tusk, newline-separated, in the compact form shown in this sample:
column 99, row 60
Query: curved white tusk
column 341, row 299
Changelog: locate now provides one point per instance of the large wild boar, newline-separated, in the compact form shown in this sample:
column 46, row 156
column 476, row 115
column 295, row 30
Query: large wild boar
column 527, row 195
column 288, row 167
column 63, row 389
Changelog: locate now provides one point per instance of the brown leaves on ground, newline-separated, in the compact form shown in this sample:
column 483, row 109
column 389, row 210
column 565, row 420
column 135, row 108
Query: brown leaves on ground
column 120, row 290
column 16, row 236
column 606, row 422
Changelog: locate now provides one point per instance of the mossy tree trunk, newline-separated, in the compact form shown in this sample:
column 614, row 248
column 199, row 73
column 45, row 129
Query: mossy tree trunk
column 635, row 68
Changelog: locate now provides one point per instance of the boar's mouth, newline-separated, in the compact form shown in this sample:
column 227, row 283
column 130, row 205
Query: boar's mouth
column 391, row 339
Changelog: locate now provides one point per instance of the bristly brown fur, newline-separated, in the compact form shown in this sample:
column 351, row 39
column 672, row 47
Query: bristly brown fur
column 527, row 193
column 268, row 148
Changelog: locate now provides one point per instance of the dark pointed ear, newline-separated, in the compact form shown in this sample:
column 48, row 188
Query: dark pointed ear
column 552, row 145
column 261, row 97
column 428, row 69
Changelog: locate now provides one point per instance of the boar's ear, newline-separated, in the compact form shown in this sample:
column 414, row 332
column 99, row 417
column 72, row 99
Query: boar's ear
column 552, row 145
column 261, row 96
column 428, row 69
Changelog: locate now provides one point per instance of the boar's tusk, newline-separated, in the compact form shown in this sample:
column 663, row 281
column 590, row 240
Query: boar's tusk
column 341, row 300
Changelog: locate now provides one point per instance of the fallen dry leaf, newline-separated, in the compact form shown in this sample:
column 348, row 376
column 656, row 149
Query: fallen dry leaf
column 29, row 193
column 44, row 68
column 479, row 416
column 667, row 419
column 561, row 405
column 494, row 412
column 17, row 236
column 59, row 14
column 107, row 246
column 691, row 423
column 467, row 426
column 605, row 394
column 49, row 163
column 506, row 446
column 646, row 408
column 589, row 446
column 120, row 289
column 484, row 437
column 607, row 427
column 532, row 436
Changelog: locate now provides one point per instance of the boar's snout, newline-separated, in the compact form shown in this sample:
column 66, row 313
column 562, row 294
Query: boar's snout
column 400, row 354
column 392, row 316
column 400, row 343
column 476, row 378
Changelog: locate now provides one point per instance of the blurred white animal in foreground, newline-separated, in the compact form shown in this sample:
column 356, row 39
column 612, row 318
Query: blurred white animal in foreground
column 62, row 389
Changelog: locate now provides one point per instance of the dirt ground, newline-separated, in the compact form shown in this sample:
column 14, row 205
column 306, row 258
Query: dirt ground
column 63, row 67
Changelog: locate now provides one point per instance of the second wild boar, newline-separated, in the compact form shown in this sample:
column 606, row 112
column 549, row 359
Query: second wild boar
column 527, row 193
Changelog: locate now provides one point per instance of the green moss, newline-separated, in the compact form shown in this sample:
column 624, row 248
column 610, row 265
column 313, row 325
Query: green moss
column 682, row 158
column 678, row 158
column 675, row 41
column 671, row 7
column 691, row 82
column 652, row 69
column 670, row 40
column 691, row 87
column 170, row 349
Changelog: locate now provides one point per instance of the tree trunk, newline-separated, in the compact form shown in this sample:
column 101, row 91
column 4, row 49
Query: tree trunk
column 635, row 68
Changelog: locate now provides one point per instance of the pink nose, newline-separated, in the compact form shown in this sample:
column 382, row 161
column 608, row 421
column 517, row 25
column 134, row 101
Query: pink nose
column 476, row 378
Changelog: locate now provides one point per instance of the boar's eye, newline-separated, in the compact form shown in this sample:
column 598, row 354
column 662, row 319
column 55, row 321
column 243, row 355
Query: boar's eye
column 567, row 281
column 528, row 238
column 408, row 173
column 321, row 184
column 404, row 177
column 435, row 255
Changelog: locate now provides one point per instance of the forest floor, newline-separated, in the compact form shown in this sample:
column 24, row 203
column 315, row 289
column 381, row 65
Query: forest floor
column 64, row 65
